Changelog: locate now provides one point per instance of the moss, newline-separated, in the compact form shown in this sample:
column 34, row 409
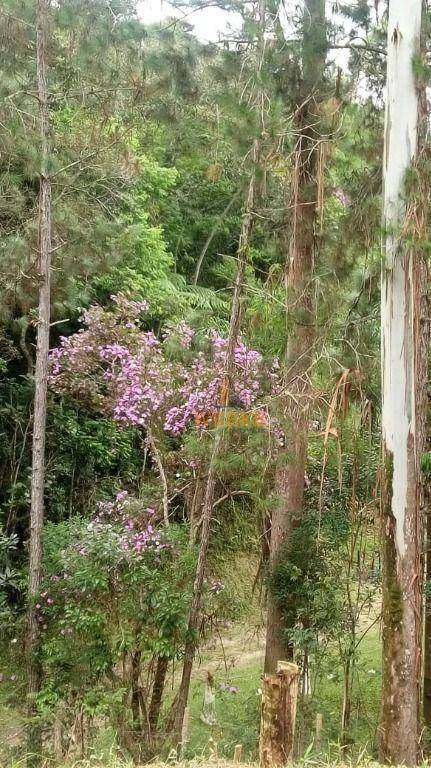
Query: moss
column 394, row 602
column 388, row 480
column 392, row 594
column 426, row 465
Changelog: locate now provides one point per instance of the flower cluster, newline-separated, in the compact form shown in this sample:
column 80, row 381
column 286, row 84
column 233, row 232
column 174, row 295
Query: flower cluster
column 216, row 586
column 115, row 365
column 202, row 383
column 117, row 538
column 136, row 527
column 182, row 332
column 342, row 197
column 127, row 372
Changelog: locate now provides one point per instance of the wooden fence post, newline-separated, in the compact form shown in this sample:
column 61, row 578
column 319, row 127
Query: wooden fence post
column 319, row 729
column 237, row 753
column 57, row 738
column 213, row 747
column 184, row 733
column 277, row 725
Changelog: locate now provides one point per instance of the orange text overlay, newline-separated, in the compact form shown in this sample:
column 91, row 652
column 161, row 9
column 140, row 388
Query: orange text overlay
column 230, row 418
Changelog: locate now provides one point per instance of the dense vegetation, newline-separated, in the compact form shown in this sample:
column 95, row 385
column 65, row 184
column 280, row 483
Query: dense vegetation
column 214, row 412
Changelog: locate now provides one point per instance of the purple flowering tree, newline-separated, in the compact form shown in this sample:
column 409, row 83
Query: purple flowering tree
column 112, row 604
column 129, row 374
column 170, row 388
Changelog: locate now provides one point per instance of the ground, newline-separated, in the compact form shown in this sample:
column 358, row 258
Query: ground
column 235, row 658
column 236, row 663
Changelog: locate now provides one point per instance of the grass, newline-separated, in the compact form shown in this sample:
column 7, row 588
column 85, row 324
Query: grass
column 365, row 698
column 113, row 761
column 238, row 712
column 237, row 673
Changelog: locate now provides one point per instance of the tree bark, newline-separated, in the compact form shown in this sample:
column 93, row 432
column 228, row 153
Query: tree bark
column 404, row 391
column 207, row 508
column 164, row 484
column 194, row 502
column 277, row 731
column 157, row 692
column 57, row 739
column 347, row 702
column 135, row 679
column 40, row 383
column 427, row 629
column 300, row 310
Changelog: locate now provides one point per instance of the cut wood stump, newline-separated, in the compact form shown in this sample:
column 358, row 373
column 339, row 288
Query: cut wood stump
column 277, row 725
column 213, row 747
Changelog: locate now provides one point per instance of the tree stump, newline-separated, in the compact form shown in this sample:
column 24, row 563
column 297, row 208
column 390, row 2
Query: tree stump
column 277, row 726
column 57, row 739
column 319, row 729
column 184, row 733
column 208, row 714
column 213, row 748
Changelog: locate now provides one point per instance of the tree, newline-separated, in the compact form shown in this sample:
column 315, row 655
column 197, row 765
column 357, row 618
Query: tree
column 300, row 259
column 118, row 369
column 208, row 501
column 403, row 382
column 41, row 374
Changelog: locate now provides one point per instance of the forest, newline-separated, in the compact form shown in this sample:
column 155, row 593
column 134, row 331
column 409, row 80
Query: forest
column 215, row 454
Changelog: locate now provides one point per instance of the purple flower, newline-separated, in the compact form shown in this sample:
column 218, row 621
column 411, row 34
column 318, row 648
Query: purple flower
column 342, row 197
column 216, row 586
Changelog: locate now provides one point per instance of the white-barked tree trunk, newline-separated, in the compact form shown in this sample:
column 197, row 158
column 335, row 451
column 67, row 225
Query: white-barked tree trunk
column 402, row 382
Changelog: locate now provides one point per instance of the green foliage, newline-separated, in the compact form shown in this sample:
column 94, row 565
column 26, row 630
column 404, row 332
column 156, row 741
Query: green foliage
column 98, row 603
column 426, row 465
column 323, row 579
column 305, row 579
column 421, row 70
column 88, row 457
column 151, row 133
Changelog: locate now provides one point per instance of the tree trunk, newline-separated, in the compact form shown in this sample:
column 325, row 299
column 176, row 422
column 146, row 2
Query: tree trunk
column 277, row 729
column 289, row 479
column 193, row 623
column 427, row 633
column 135, row 679
column 404, row 388
column 40, row 381
column 157, row 692
column 155, row 453
column 57, row 739
column 79, row 731
column 194, row 505
column 347, row 702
